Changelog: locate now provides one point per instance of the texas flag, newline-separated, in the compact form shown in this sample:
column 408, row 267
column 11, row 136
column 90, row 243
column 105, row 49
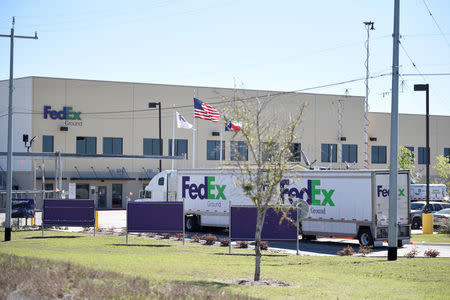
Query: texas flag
column 233, row 126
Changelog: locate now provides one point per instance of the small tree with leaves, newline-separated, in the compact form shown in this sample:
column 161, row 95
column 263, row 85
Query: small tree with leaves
column 268, row 138
column 442, row 167
column 405, row 161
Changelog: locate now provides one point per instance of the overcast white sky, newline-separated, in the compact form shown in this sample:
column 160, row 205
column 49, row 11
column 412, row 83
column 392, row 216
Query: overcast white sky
column 259, row 44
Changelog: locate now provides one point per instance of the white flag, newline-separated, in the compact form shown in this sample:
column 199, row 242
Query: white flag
column 182, row 123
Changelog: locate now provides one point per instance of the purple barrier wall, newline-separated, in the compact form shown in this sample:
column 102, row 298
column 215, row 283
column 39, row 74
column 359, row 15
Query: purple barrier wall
column 243, row 225
column 155, row 217
column 77, row 213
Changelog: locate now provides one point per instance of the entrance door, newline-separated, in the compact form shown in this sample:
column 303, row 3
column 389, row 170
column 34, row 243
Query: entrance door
column 101, row 196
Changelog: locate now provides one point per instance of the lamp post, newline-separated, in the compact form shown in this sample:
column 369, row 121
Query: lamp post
column 427, row 219
column 153, row 105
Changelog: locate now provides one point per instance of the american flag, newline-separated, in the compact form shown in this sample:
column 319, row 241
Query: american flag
column 205, row 111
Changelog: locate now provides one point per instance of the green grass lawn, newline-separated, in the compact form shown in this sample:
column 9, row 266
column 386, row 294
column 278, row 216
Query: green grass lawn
column 430, row 238
column 311, row 277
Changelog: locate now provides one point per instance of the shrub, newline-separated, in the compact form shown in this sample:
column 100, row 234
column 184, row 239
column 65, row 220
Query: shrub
column 264, row 245
column 151, row 234
column 166, row 235
column 224, row 242
column 431, row 253
column 412, row 253
column 445, row 229
column 195, row 239
column 347, row 251
column 86, row 229
column 179, row 236
column 364, row 250
column 210, row 239
column 242, row 244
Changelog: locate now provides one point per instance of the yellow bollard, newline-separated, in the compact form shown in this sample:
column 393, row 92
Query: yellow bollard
column 96, row 220
column 32, row 221
column 427, row 223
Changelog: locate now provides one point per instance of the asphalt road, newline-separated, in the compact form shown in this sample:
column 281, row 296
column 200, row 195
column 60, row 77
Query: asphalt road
column 322, row 246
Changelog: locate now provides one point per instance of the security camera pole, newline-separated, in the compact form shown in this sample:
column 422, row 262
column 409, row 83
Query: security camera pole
column 10, row 112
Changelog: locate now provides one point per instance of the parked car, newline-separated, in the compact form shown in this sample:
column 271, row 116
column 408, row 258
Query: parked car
column 417, row 209
column 441, row 217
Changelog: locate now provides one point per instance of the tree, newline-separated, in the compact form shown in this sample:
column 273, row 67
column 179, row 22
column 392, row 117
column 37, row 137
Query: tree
column 268, row 139
column 442, row 167
column 405, row 161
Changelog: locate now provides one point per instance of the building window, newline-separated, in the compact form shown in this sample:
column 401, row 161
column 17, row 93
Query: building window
column 378, row 154
column 238, row 151
column 423, row 157
column 350, row 153
column 112, row 145
column 213, row 150
column 296, row 152
column 447, row 153
column 82, row 191
column 86, row 145
column 181, row 147
column 151, row 147
column 117, row 195
column 329, row 152
column 49, row 187
column 269, row 150
column 47, row 143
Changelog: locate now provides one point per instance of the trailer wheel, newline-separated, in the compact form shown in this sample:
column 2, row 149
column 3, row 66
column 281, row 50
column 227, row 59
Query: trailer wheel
column 309, row 237
column 191, row 223
column 416, row 223
column 365, row 237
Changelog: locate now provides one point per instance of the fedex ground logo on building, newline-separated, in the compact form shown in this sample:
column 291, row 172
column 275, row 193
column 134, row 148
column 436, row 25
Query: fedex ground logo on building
column 67, row 114
column 207, row 190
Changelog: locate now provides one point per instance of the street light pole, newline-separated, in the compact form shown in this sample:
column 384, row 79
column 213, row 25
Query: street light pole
column 153, row 105
column 428, row 217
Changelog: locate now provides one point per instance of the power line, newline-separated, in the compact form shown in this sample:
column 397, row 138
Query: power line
column 435, row 22
column 412, row 62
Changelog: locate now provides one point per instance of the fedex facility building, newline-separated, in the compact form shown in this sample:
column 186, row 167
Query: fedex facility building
column 112, row 134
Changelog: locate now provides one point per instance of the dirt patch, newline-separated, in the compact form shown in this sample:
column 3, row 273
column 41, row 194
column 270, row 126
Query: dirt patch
column 262, row 282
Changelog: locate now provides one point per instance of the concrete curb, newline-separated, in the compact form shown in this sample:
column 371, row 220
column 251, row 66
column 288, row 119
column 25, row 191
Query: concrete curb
column 430, row 244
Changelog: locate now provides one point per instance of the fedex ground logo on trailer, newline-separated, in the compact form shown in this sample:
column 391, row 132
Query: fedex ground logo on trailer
column 206, row 193
column 330, row 198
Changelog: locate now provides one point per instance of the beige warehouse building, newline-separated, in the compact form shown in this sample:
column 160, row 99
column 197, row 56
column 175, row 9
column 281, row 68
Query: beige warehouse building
column 86, row 118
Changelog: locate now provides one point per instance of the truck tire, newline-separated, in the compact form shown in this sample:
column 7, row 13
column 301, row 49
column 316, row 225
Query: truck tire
column 365, row 237
column 399, row 244
column 416, row 223
column 191, row 223
column 309, row 237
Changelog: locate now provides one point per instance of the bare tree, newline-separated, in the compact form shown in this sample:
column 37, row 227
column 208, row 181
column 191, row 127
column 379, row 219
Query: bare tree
column 269, row 148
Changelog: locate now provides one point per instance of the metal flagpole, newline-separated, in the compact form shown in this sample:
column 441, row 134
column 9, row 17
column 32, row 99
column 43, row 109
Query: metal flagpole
column 173, row 134
column 193, row 138
column 221, row 145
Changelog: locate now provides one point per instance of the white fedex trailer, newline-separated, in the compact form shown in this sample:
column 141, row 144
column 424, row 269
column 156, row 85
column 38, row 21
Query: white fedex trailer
column 341, row 203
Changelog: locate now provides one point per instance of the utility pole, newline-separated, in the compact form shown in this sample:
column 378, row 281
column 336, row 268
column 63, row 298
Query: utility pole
column 10, row 124
column 369, row 27
column 393, row 172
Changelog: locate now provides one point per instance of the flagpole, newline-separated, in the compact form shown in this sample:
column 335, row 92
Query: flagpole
column 173, row 135
column 193, row 137
column 221, row 145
